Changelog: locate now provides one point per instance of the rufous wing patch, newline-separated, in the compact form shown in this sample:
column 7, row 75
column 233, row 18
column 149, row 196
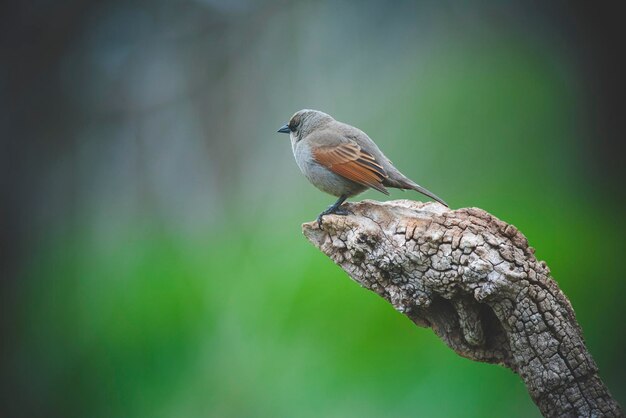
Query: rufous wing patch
column 350, row 161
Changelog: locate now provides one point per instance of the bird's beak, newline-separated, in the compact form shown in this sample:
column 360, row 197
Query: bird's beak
column 284, row 129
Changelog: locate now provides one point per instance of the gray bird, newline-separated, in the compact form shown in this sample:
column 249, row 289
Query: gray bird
column 342, row 160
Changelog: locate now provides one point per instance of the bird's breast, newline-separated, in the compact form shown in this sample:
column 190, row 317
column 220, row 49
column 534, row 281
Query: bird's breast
column 302, row 154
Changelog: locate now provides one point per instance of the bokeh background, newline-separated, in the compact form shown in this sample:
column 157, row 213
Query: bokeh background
column 151, row 254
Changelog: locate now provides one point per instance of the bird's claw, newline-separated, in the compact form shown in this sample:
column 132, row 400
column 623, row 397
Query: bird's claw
column 338, row 211
column 343, row 212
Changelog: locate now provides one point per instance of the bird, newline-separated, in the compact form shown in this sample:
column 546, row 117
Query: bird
column 341, row 160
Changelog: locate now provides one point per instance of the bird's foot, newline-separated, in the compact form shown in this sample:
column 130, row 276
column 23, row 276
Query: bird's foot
column 332, row 210
column 343, row 212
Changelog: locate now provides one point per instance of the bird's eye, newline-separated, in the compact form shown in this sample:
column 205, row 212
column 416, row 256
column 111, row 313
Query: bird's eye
column 293, row 123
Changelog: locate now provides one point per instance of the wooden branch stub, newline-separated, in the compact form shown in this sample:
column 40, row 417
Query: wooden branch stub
column 476, row 282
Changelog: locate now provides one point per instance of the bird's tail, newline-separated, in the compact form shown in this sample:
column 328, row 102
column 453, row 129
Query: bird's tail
column 424, row 191
column 409, row 184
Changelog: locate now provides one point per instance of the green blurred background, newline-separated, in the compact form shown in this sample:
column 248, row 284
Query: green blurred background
column 151, row 247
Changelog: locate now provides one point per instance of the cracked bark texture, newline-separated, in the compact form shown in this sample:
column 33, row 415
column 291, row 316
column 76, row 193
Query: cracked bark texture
column 476, row 282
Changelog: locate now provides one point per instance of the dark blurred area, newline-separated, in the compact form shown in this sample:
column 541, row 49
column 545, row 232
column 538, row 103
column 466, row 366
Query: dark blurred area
column 151, row 258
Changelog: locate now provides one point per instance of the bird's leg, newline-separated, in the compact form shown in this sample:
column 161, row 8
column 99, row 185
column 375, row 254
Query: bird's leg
column 335, row 208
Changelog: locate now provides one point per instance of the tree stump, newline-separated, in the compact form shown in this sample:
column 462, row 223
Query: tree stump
column 476, row 282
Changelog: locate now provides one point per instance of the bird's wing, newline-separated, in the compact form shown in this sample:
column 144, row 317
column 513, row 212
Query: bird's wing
column 350, row 161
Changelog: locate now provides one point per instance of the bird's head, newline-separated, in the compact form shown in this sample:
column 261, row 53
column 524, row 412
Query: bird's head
column 305, row 121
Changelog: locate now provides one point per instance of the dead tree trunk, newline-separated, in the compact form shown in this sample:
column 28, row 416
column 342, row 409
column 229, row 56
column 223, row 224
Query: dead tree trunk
column 475, row 281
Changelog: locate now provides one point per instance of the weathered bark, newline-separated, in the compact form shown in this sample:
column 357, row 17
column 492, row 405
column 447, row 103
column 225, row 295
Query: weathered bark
column 475, row 281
